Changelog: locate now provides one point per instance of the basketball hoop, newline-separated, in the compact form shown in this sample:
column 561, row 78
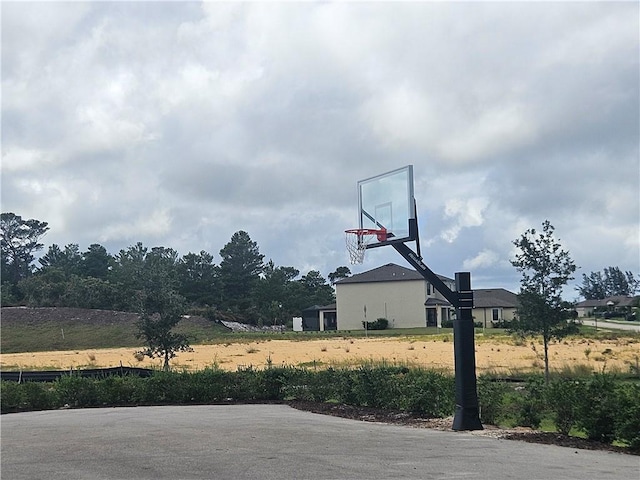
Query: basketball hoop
column 357, row 240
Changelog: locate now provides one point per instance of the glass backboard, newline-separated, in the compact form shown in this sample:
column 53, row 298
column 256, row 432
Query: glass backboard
column 387, row 201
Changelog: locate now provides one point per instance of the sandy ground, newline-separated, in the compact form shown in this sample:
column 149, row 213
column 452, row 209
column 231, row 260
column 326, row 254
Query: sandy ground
column 491, row 355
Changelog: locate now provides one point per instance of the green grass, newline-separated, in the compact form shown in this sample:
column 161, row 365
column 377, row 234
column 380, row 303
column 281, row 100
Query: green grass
column 75, row 335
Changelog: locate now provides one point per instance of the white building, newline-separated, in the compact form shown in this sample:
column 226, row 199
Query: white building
column 399, row 294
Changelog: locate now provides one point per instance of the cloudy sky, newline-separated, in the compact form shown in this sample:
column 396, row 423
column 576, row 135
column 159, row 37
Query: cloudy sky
column 178, row 124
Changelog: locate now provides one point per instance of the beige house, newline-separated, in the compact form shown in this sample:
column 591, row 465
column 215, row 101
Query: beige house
column 493, row 305
column 399, row 294
column 618, row 304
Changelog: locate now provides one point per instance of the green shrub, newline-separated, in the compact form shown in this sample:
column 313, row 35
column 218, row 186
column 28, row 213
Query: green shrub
column 532, row 405
column 596, row 412
column 76, row 391
column 427, row 393
column 627, row 415
column 117, row 391
column 491, row 395
column 207, row 386
column 379, row 324
column 563, row 396
column 39, row 396
column 163, row 388
column 11, row 397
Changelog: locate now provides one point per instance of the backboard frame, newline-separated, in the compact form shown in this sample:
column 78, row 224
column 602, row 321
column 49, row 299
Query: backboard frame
column 387, row 201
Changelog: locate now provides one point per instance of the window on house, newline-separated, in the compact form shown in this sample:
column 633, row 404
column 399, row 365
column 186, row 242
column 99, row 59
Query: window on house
column 428, row 288
column 496, row 314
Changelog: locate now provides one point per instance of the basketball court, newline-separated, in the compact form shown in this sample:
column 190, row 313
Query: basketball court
column 272, row 442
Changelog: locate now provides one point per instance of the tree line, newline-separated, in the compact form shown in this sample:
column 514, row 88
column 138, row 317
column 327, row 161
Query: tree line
column 242, row 286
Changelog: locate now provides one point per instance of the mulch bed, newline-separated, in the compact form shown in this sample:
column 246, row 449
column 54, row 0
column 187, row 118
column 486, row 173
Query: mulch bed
column 412, row 420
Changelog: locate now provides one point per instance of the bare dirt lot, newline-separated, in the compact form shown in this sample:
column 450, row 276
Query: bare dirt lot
column 500, row 355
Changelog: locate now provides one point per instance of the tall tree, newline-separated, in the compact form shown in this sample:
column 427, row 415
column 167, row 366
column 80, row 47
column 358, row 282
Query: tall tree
column 239, row 271
column 197, row 278
column 96, row 262
column 619, row 283
column 319, row 292
column 545, row 268
column 593, row 286
column 68, row 261
column 128, row 275
column 339, row 274
column 609, row 283
column 272, row 294
column 20, row 240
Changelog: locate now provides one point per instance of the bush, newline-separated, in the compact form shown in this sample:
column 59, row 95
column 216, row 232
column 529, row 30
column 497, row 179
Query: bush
column 117, row 391
column 627, row 415
column 39, row 396
column 597, row 409
column 491, row 395
column 207, row 386
column 563, row 398
column 532, row 405
column 76, row 391
column 11, row 397
column 427, row 393
column 379, row 324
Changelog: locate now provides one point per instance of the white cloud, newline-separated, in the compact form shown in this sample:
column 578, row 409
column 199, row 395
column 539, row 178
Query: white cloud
column 180, row 123
column 483, row 260
column 466, row 213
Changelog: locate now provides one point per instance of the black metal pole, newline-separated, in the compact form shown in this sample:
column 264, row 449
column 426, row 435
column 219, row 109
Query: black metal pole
column 467, row 414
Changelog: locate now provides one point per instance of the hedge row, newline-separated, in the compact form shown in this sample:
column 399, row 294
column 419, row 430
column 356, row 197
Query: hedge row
column 601, row 406
column 419, row 391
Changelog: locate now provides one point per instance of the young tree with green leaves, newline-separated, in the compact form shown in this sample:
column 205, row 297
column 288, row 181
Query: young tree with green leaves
column 160, row 306
column 161, row 311
column 546, row 268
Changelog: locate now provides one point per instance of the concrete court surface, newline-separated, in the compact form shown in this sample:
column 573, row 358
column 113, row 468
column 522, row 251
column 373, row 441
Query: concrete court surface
column 272, row 442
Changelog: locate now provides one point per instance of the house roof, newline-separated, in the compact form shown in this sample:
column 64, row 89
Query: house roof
column 387, row 273
column 494, row 297
column 618, row 301
column 436, row 302
column 331, row 306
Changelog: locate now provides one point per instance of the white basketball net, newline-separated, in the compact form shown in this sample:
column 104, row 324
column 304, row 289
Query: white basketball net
column 357, row 241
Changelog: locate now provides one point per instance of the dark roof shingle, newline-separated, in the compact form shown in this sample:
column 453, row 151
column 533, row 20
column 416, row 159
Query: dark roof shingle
column 387, row 273
column 494, row 297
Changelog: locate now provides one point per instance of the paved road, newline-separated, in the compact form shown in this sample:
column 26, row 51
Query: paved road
column 270, row 442
column 631, row 326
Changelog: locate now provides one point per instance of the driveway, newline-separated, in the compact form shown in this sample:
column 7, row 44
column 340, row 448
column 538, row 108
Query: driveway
column 272, row 442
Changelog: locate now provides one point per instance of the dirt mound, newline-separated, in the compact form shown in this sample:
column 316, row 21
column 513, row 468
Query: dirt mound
column 75, row 316
column 37, row 316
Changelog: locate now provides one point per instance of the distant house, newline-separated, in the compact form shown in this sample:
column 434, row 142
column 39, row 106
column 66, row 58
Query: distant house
column 622, row 304
column 319, row 318
column 494, row 305
column 399, row 294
